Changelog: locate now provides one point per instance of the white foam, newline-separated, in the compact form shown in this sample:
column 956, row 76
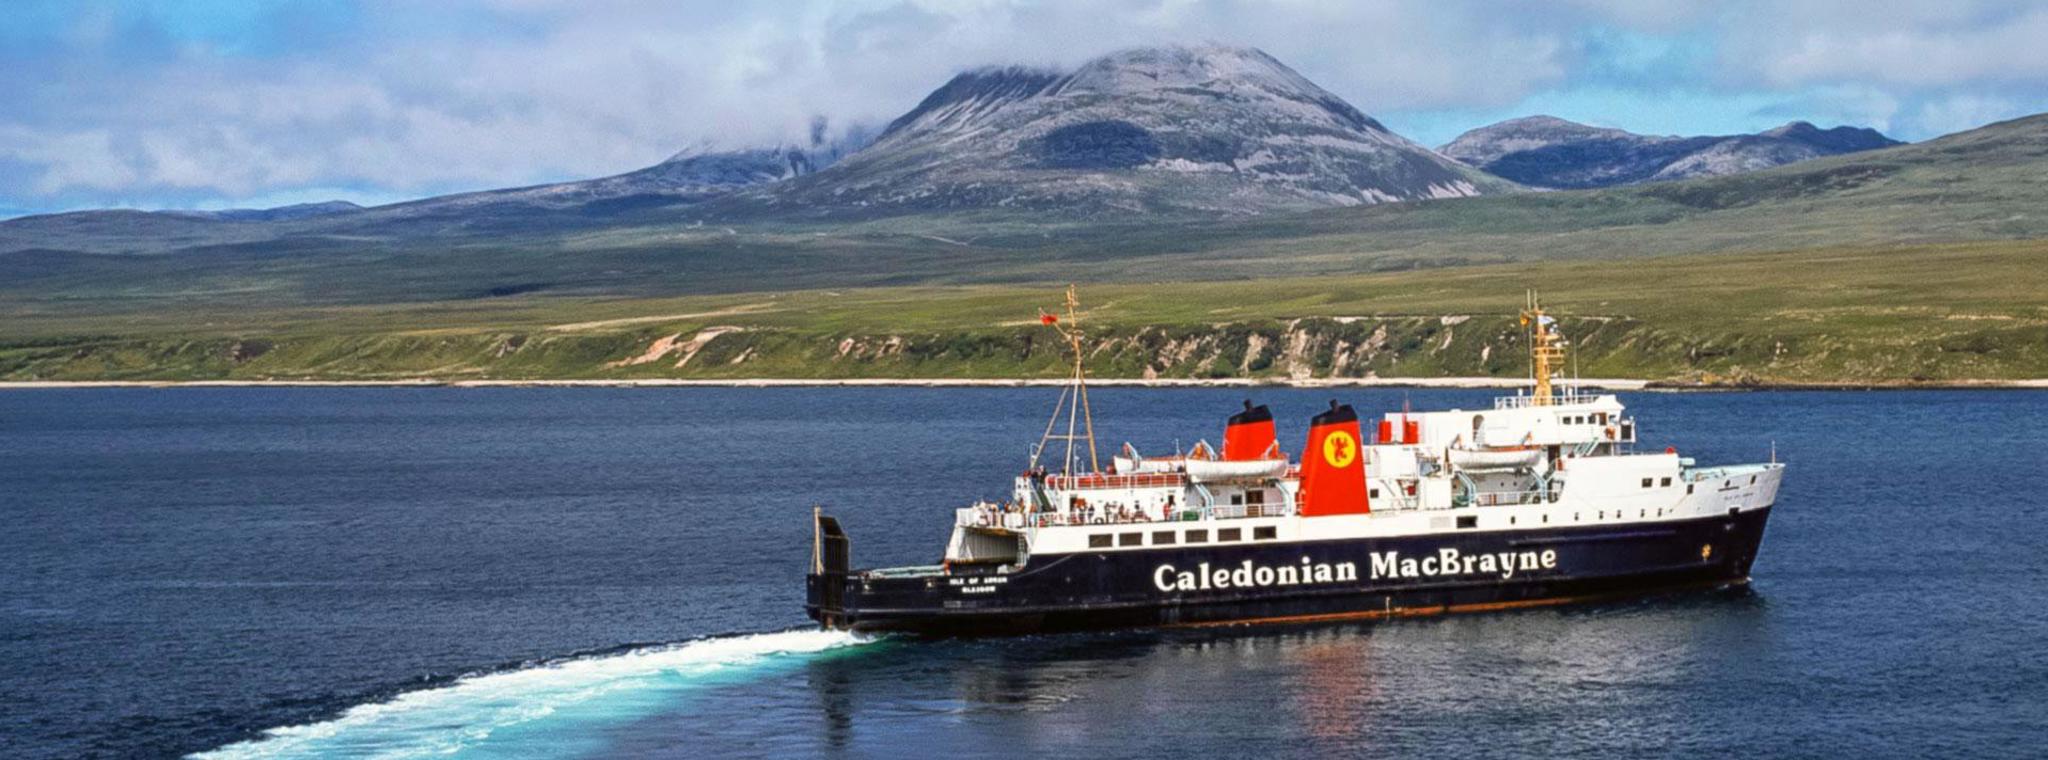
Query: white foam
column 464, row 715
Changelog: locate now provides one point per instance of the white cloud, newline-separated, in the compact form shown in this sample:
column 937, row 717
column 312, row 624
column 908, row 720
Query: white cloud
column 432, row 97
column 1967, row 111
column 585, row 89
column 1888, row 43
column 84, row 158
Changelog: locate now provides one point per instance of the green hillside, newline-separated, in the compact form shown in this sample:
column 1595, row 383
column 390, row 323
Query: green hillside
column 1863, row 315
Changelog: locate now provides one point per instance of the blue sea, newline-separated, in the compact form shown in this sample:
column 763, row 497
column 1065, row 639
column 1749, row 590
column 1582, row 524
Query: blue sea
column 545, row 573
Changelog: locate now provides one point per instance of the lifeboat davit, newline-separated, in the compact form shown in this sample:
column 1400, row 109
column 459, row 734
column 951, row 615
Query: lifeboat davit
column 1130, row 462
column 1126, row 465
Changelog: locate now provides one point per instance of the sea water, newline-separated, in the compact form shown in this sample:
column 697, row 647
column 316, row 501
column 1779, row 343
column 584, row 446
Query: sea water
column 261, row 572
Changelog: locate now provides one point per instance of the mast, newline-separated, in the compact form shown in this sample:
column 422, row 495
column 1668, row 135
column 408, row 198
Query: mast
column 1073, row 403
column 1546, row 350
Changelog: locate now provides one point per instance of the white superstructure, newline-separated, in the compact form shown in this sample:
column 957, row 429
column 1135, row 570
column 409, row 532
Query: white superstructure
column 1532, row 461
column 1571, row 463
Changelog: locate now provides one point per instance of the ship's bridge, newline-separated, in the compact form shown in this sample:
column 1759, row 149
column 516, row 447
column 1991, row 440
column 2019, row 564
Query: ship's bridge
column 1571, row 421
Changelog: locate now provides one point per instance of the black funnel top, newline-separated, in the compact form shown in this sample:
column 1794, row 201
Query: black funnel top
column 1337, row 413
column 1252, row 414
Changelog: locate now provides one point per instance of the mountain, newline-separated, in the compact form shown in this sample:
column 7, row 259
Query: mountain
column 1209, row 129
column 1548, row 152
column 691, row 176
column 277, row 213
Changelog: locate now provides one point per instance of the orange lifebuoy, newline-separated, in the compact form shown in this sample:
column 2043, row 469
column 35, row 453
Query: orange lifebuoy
column 1610, row 432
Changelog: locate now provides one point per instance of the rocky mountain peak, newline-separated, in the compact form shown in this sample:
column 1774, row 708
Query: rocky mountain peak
column 975, row 92
column 1212, row 70
column 1792, row 129
column 1545, row 151
column 1832, row 140
column 1487, row 144
column 1176, row 66
column 1208, row 127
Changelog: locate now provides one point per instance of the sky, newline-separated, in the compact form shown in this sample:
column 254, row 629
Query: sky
column 252, row 103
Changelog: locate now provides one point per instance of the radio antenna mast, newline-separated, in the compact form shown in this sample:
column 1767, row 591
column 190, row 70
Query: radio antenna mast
column 1073, row 402
column 1546, row 350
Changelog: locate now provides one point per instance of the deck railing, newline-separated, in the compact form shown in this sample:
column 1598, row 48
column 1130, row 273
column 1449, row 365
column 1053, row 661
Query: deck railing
column 991, row 516
column 1519, row 402
column 1099, row 480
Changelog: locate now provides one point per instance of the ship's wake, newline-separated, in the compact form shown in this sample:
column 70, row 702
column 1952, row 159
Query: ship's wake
column 503, row 712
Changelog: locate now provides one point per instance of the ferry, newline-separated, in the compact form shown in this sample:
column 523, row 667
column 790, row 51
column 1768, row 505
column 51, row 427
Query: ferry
column 1542, row 498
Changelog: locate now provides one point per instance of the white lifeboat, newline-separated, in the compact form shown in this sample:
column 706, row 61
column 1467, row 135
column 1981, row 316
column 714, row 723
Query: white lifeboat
column 1489, row 460
column 1201, row 470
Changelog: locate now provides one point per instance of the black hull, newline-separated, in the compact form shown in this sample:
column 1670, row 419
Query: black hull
column 1129, row 589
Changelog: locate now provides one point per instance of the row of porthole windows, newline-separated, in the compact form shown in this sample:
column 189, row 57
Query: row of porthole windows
column 1191, row 536
column 1618, row 514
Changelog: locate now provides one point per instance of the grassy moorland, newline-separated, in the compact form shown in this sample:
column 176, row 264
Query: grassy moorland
column 1940, row 313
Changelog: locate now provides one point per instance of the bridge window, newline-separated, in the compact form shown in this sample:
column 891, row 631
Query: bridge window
column 1130, row 539
column 1665, row 483
column 1648, row 481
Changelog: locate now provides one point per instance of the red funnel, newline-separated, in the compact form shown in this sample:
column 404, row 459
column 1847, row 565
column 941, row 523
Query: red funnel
column 1333, row 465
column 1250, row 434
